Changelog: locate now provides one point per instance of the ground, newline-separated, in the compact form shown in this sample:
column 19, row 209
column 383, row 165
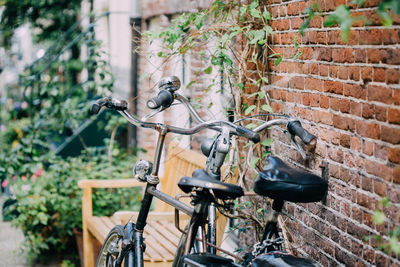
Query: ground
column 11, row 239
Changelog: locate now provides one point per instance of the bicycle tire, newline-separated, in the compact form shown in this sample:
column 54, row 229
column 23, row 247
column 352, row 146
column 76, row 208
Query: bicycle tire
column 112, row 246
column 179, row 250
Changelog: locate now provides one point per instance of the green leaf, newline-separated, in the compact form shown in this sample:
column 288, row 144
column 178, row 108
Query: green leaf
column 241, row 86
column 249, row 109
column 253, row 162
column 255, row 13
column 267, row 108
column 304, row 26
column 208, row 70
column 266, row 153
column 385, row 202
column 267, row 142
column 266, row 15
column 274, row 55
column 298, row 54
column 378, row 217
column 278, row 60
column 190, row 84
column 342, row 17
column 264, row 79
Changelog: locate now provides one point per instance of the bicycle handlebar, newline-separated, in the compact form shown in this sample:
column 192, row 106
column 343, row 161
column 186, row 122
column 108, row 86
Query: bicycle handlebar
column 122, row 106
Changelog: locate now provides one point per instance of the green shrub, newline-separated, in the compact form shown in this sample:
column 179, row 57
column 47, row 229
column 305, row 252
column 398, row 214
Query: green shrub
column 49, row 202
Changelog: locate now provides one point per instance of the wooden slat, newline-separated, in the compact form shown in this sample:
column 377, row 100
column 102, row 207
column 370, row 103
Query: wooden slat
column 114, row 183
column 97, row 228
column 161, row 227
column 169, row 245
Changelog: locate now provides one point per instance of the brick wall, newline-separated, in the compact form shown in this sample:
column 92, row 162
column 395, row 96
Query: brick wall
column 348, row 95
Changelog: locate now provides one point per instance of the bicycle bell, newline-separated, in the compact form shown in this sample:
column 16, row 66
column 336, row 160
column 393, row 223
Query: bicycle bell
column 142, row 170
column 170, row 83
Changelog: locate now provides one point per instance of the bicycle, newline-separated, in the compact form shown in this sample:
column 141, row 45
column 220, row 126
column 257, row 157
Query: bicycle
column 125, row 243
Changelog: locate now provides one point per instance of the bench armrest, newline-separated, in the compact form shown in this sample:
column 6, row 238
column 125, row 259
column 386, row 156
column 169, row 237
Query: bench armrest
column 114, row 183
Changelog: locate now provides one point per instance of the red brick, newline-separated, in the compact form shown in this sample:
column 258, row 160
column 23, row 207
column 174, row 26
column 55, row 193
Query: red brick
column 354, row 73
column 381, row 113
column 343, row 73
column 394, row 155
column 396, row 175
column 343, row 123
column 390, row 36
column 354, row 90
column 313, row 84
column 393, row 56
column 333, row 36
column 368, row 129
column 354, row 37
column 282, row 25
column 323, row 117
column 323, row 54
column 314, row 68
column 333, row 71
column 368, row 111
column 393, row 76
column 396, row 97
column 335, row 155
column 367, row 184
column 342, row 55
column 293, row 9
column 345, row 106
column 355, row 108
column 323, row 70
column 306, row 99
column 373, row 36
column 366, row 74
column 333, row 87
column 297, row 82
column 379, row 93
column 390, row 134
column 324, row 101
column 316, row 22
column 345, row 140
column 373, row 55
column 379, row 75
column 379, row 170
column 314, row 100
column 368, row 148
column 360, row 56
column 381, row 152
column 322, row 37
column 282, row 11
column 380, row 188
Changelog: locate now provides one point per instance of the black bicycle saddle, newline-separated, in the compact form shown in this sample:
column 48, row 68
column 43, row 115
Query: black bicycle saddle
column 201, row 179
column 279, row 181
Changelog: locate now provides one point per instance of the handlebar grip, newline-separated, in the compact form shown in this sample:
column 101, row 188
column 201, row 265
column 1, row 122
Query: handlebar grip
column 295, row 128
column 96, row 106
column 249, row 134
column 163, row 99
column 111, row 103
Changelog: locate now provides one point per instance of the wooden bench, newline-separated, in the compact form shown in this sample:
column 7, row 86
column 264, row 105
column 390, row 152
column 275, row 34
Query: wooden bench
column 161, row 236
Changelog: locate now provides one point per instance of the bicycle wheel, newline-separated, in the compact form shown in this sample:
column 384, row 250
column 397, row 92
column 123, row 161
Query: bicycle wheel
column 179, row 250
column 112, row 247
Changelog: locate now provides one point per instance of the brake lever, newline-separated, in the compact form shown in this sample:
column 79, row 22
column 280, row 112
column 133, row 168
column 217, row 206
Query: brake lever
column 299, row 147
column 153, row 113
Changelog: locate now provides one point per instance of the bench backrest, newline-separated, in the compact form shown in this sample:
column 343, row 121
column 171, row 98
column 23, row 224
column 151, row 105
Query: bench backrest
column 179, row 162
